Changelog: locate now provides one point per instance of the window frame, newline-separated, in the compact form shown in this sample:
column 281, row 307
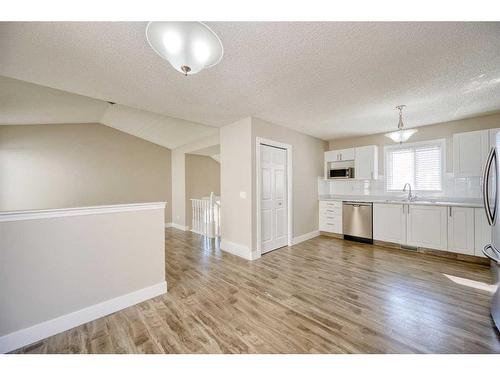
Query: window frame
column 432, row 142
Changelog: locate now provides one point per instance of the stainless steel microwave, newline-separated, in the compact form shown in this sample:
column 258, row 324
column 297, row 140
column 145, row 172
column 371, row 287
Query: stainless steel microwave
column 335, row 173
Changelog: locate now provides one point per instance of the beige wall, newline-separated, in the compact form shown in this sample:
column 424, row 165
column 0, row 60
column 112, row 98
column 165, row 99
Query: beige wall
column 307, row 166
column 236, row 178
column 179, row 176
column 202, row 178
column 435, row 131
column 54, row 166
column 56, row 266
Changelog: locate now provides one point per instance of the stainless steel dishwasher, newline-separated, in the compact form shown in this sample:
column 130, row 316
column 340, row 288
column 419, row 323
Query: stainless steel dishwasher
column 357, row 221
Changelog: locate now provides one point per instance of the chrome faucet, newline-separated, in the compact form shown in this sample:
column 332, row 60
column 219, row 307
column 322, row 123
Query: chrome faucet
column 411, row 197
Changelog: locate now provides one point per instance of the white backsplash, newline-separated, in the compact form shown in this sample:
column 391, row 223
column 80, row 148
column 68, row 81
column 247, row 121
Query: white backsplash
column 464, row 187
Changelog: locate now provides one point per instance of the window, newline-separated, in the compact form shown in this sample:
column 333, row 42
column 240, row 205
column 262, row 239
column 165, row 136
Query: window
column 421, row 164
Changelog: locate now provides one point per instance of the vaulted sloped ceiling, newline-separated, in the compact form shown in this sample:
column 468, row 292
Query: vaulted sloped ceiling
column 27, row 103
column 327, row 79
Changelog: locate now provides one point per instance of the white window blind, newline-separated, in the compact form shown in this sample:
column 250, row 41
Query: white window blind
column 420, row 164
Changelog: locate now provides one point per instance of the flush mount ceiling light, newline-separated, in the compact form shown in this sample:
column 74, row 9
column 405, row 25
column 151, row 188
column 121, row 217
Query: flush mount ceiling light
column 188, row 46
column 401, row 135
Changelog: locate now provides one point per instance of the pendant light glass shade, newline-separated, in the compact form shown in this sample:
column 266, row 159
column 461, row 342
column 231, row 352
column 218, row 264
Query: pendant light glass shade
column 401, row 135
column 188, row 46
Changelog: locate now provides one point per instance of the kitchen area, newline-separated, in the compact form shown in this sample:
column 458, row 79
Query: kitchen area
column 434, row 196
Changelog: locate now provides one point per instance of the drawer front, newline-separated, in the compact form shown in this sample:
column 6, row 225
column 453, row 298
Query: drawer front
column 324, row 205
column 331, row 228
column 330, row 212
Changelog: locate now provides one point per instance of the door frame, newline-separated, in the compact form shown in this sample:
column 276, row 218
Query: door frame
column 289, row 183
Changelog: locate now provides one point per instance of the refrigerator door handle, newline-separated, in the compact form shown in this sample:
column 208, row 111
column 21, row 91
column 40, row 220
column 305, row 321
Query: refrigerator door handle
column 486, row 182
column 493, row 255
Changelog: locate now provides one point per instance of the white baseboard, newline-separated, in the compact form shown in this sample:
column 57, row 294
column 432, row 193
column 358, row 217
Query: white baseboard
column 238, row 250
column 178, row 226
column 26, row 336
column 168, row 225
column 305, row 237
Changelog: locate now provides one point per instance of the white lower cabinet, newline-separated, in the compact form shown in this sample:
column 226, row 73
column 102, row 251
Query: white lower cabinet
column 389, row 222
column 330, row 216
column 461, row 230
column 482, row 232
column 427, row 226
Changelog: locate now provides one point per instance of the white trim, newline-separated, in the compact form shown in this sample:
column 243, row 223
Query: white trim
column 238, row 250
column 305, row 237
column 289, row 176
column 168, row 225
column 26, row 336
column 78, row 211
column 180, row 227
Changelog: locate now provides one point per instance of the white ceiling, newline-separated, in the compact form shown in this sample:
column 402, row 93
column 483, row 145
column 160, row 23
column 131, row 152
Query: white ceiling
column 26, row 103
column 326, row 79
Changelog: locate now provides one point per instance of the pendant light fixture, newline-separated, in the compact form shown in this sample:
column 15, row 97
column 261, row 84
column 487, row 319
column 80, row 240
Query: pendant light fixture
column 188, row 46
column 401, row 135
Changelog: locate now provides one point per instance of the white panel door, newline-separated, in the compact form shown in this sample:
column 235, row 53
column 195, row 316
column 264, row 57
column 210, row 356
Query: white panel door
column 427, row 226
column 273, row 198
column 389, row 222
column 461, row 230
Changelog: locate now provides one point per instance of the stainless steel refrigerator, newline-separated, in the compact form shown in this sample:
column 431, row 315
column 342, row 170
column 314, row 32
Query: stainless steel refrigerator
column 491, row 189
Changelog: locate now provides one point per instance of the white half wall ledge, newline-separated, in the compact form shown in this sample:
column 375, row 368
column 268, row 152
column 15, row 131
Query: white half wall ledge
column 78, row 211
column 26, row 336
column 305, row 237
column 239, row 250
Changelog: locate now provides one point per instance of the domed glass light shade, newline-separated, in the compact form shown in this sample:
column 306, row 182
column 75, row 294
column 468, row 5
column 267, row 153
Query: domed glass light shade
column 401, row 135
column 188, row 46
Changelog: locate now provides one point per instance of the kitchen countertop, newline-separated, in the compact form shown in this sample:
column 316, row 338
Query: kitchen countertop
column 436, row 201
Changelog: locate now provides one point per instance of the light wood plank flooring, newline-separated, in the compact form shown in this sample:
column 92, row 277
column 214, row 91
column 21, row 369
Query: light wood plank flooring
column 321, row 296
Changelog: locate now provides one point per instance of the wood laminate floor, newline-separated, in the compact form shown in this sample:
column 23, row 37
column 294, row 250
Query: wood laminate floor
column 321, row 296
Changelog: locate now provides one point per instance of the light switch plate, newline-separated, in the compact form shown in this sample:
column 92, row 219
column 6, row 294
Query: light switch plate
column 243, row 194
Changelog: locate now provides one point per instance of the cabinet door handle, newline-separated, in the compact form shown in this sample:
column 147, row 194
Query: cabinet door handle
column 449, row 210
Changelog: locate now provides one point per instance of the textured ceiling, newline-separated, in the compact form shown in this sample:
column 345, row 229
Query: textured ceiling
column 27, row 103
column 325, row 79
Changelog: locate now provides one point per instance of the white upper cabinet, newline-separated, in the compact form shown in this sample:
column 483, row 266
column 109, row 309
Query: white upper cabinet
column 427, row 226
column 389, row 222
column 331, row 156
column 461, row 230
column 340, row 155
column 347, row 154
column 366, row 163
column 470, row 151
